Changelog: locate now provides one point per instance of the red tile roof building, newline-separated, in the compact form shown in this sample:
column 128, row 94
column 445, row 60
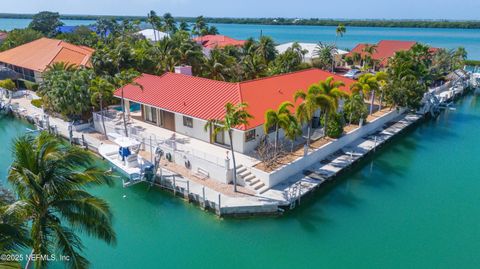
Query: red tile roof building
column 385, row 49
column 218, row 41
column 205, row 98
column 34, row 58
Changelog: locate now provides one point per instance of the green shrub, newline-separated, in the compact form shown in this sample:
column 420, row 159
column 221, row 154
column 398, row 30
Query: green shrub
column 8, row 84
column 37, row 103
column 335, row 125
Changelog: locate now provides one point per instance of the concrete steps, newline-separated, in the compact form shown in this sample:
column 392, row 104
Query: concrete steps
column 251, row 182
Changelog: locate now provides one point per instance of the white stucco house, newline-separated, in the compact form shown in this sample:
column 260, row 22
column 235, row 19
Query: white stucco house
column 310, row 48
column 153, row 35
column 183, row 103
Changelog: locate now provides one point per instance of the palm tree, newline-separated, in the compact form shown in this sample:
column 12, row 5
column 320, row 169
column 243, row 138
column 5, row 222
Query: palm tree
column 280, row 119
column 370, row 84
column 199, row 26
column 370, row 50
column 169, row 23
column 101, row 90
column 266, row 49
column 292, row 131
column 312, row 100
column 121, row 80
column 339, row 31
column 154, row 21
column 323, row 56
column 235, row 116
column 355, row 108
column 331, row 89
column 13, row 230
column 49, row 179
column 62, row 66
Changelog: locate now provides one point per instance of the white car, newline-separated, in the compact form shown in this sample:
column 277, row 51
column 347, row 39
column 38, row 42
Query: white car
column 353, row 74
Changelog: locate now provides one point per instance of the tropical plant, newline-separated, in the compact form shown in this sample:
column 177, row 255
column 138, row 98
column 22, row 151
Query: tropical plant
column 13, row 230
column 266, row 49
column 367, row 84
column 323, row 56
column 339, row 32
column 67, row 91
column 155, row 21
column 331, row 89
column 335, row 125
column 19, row 37
column 49, row 179
column 292, row 131
column 169, row 24
column 199, row 26
column 101, row 92
column 311, row 100
column 369, row 50
column 278, row 119
column 354, row 109
column 235, row 116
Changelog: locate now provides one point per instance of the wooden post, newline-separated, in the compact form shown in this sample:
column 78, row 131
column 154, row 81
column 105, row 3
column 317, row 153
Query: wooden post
column 219, row 209
column 174, row 187
column 204, row 203
column 188, row 191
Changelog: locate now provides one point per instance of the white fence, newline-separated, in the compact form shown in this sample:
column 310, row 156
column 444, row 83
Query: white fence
column 181, row 153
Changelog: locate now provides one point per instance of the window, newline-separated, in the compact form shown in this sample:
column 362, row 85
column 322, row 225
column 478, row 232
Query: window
column 188, row 122
column 250, row 135
column 271, row 129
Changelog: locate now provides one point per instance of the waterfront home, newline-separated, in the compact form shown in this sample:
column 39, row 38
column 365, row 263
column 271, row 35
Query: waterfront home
column 210, row 42
column 153, row 35
column 310, row 51
column 384, row 50
column 183, row 103
column 32, row 59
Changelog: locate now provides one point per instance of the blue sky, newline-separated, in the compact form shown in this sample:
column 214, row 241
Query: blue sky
column 378, row 9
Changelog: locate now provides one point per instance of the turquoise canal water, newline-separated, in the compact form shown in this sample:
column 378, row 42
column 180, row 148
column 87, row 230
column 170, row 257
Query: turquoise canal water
column 413, row 204
column 444, row 38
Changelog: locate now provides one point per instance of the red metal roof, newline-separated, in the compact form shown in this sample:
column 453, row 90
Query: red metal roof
column 385, row 49
column 205, row 98
column 39, row 54
column 220, row 41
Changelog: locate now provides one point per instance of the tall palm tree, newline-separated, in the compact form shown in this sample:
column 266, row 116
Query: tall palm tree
column 369, row 50
column 199, row 26
column 280, row 119
column 169, row 25
column 292, row 131
column 101, row 90
column 121, row 80
column 266, row 49
column 235, row 116
column 369, row 84
column 331, row 89
column 312, row 100
column 339, row 32
column 154, row 21
column 49, row 179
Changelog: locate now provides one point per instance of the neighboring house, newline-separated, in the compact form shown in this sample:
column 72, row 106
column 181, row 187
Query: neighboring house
column 184, row 103
column 210, row 42
column 32, row 59
column 3, row 36
column 385, row 49
column 310, row 49
column 153, row 35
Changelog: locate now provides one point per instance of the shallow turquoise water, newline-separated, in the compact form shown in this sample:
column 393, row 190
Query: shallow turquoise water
column 444, row 38
column 414, row 204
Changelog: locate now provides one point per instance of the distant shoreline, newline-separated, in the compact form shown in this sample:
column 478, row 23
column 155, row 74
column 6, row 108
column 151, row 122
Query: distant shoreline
column 455, row 24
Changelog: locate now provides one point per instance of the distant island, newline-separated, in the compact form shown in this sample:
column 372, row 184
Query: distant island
column 469, row 24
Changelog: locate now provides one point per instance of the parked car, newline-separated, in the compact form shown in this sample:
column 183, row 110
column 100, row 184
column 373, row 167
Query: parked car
column 353, row 74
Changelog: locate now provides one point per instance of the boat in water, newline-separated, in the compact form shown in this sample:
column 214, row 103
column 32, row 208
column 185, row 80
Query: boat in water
column 123, row 155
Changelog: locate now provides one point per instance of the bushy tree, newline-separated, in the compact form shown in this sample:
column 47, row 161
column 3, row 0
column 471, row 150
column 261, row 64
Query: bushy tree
column 46, row 23
column 335, row 125
column 19, row 37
